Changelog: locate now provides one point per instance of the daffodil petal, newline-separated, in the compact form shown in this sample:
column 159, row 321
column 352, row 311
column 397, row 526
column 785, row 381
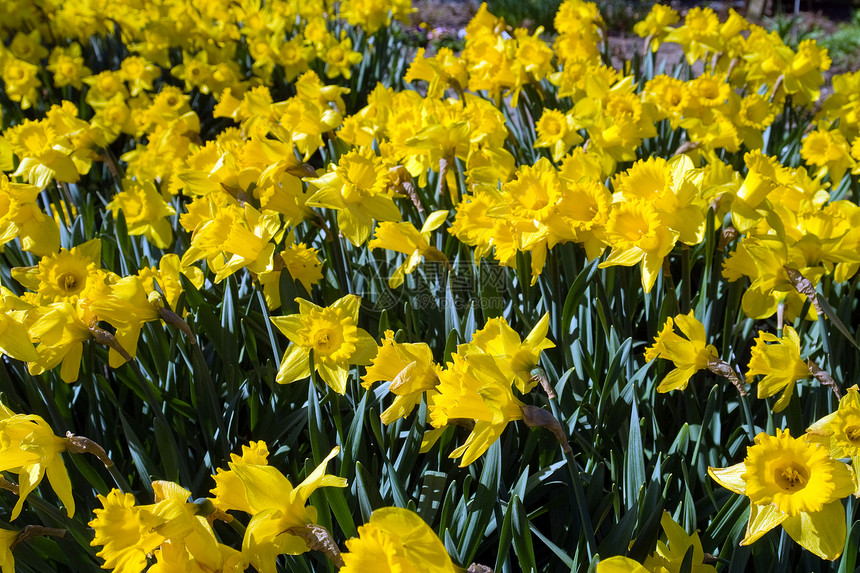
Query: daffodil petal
column 822, row 532
column 730, row 477
column 763, row 518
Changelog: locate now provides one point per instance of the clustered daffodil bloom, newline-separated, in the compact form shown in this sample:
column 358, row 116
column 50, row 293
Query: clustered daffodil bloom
column 410, row 369
column 478, row 385
column 405, row 238
column 796, row 484
column 277, row 507
column 247, row 190
column 356, row 188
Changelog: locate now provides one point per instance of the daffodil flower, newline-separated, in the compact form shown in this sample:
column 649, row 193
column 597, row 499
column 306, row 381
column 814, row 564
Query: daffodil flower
column 516, row 358
column 405, row 238
column 840, row 431
column 796, row 484
column 778, row 361
column 473, row 388
column 333, row 337
column 689, row 355
column 356, row 188
column 394, row 540
column 29, row 448
column 7, row 560
column 409, row 368
column 276, row 506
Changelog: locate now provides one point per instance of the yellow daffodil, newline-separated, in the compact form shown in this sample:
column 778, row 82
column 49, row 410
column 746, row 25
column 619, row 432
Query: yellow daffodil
column 61, row 335
column 125, row 531
column 828, row 150
column 339, row 58
column 21, row 217
column 689, row 353
column 63, row 276
column 556, row 131
column 22, row 81
column 516, row 358
column 840, row 431
column 637, row 235
column 145, row 212
column 233, row 238
column 473, row 388
column 275, row 505
column 7, row 560
column 356, row 188
column 656, row 24
column 792, row 483
column 395, row 540
column 668, row 556
column 67, row 65
column 409, row 368
column 168, row 529
column 699, row 35
column 764, row 260
column 405, row 238
column 333, row 337
column 29, row 448
column 166, row 276
column 804, row 76
column 303, row 265
column 780, row 364
column 442, row 70
column 126, row 307
column 45, row 154
column 620, row 564
column 14, row 337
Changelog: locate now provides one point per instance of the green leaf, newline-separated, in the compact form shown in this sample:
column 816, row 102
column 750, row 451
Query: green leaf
column 634, row 460
column 522, row 536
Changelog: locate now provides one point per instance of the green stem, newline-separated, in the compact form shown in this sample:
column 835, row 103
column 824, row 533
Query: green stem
column 686, row 290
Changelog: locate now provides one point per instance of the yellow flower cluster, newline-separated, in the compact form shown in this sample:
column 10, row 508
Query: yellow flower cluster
column 476, row 389
column 177, row 533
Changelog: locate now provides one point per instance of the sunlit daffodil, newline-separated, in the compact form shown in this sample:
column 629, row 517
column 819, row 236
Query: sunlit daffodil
column 145, row 212
column 21, row 217
column 405, row 238
column 792, row 483
column 395, row 540
column 333, row 336
column 669, row 555
column 14, row 336
column 778, row 361
column 473, row 387
column 637, row 235
column 516, row 358
column 410, row 369
column 689, row 353
column 129, row 533
column 840, row 431
column 29, row 448
column 356, row 189
column 7, row 560
column 252, row 486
